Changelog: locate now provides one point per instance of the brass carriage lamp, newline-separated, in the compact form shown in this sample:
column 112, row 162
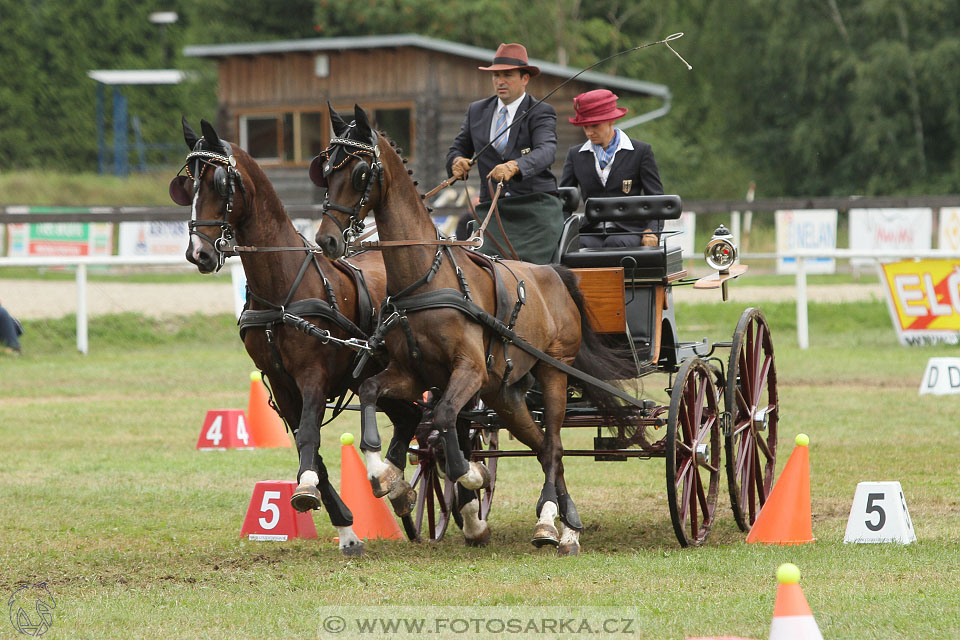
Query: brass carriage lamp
column 721, row 253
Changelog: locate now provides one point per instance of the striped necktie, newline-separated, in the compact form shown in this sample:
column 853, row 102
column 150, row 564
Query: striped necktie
column 500, row 144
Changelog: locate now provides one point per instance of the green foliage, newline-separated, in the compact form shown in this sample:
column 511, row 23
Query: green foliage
column 805, row 98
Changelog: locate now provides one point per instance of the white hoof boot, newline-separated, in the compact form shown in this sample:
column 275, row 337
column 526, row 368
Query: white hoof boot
column 546, row 532
column 350, row 544
column 478, row 477
column 569, row 541
column 476, row 532
column 382, row 475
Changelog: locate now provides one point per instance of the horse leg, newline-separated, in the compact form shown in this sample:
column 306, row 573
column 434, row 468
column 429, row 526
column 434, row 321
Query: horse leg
column 554, row 385
column 476, row 532
column 389, row 384
column 307, row 494
column 405, row 417
column 512, row 408
column 340, row 515
column 464, row 383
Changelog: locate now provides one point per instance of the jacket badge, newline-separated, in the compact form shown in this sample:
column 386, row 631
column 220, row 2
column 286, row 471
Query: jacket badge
column 627, row 185
column 524, row 152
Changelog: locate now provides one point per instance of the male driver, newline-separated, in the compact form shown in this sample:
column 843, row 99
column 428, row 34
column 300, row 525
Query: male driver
column 529, row 208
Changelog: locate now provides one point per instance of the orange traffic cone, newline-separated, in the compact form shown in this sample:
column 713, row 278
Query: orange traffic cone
column 785, row 517
column 792, row 618
column 371, row 516
column 264, row 424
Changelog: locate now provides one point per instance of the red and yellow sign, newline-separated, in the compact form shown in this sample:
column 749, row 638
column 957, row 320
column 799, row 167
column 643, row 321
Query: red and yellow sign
column 924, row 299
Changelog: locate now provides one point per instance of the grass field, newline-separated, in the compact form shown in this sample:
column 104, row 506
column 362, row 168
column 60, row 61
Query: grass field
column 137, row 534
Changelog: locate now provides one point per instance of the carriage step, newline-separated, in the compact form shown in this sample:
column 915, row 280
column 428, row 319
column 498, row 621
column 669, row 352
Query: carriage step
column 607, row 442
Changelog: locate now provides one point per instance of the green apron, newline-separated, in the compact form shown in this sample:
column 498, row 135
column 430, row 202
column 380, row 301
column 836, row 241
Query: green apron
column 533, row 223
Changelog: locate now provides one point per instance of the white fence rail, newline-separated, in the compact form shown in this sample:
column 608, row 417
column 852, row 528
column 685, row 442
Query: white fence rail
column 81, row 263
column 803, row 332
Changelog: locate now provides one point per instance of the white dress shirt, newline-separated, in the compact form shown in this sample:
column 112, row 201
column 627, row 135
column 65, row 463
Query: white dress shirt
column 512, row 109
column 622, row 143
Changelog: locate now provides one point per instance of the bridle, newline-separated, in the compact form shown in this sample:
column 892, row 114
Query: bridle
column 362, row 178
column 226, row 179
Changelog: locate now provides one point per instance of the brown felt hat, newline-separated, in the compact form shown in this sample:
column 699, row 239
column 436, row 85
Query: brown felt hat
column 511, row 56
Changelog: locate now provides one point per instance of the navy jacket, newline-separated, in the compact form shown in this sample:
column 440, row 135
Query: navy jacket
column 637, row 166
column 532, row 143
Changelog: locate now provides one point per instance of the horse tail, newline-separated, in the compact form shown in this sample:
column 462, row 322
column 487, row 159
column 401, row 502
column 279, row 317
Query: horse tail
column 599, row 360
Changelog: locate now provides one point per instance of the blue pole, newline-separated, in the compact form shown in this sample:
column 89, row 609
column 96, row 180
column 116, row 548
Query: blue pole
column 101, row 143
column 121, row 165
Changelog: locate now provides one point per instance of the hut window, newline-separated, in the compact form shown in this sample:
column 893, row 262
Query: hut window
column 260, row 136
column 312, row 134
column 396, row 124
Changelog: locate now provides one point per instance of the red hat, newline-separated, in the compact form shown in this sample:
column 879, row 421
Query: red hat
column 511, row 56
column 599, row 105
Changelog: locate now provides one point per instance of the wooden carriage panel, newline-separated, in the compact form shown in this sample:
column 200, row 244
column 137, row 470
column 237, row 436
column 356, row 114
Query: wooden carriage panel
column 603, row 296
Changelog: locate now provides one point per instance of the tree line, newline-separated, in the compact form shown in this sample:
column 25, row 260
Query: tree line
column 804, row 97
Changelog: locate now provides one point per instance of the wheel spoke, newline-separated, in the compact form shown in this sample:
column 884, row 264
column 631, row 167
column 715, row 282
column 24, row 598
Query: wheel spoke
column 693, row 493
column 764, row 449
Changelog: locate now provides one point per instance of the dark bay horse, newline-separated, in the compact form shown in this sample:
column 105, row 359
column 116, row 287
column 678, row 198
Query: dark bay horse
column 233, row 202
column 434, row 341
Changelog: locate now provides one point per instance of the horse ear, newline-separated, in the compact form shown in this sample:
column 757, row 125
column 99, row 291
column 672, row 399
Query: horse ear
column 363, row 124
column 339, row 126
column 189, row 135
column 210, row 134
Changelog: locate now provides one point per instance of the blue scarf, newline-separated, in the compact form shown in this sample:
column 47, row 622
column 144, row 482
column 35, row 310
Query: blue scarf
column 605, row 154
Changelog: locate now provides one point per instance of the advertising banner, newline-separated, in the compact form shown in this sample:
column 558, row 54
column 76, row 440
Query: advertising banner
column 948, row 238
column 153, row 238
column 806, row 229
column 897, row 229
column 924, row 300
column 686, row 226
column 38, row 238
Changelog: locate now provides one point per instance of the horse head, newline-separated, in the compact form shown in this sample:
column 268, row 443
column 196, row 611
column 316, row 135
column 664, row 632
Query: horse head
column 210, row 187
column 349, row 169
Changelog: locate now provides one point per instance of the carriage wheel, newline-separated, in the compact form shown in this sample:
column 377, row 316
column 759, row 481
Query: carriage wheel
column 693, row 452
column 750, row 397
column 436, row 495
column 486, row 440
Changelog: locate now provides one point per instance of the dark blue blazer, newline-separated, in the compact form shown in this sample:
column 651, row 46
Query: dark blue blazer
column 532, row 143
column 637, row 166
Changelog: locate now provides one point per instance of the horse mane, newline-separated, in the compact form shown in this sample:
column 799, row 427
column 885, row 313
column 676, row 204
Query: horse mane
column 264, row 187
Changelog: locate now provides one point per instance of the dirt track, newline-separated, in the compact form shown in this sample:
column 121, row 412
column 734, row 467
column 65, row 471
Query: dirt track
column 30, row 299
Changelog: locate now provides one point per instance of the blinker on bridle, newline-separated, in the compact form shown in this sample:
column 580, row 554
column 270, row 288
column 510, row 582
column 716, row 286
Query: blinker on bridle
column 226, row 177
column 362, row 177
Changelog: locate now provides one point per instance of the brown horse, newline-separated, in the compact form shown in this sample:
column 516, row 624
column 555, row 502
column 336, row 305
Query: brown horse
column 453, row 346
column 294, row 296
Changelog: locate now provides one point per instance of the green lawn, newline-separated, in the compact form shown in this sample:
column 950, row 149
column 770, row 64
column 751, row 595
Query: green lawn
column 137, row 534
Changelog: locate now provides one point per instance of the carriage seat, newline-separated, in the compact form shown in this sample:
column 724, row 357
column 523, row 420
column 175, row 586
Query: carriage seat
column 639, row 262
column 569, row 199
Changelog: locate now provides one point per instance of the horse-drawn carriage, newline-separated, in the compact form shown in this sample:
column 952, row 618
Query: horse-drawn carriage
column 505, row 364
column 712, row 397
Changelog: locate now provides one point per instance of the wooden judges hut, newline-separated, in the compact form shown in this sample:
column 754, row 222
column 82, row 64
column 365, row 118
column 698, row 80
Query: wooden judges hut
column 273, row 98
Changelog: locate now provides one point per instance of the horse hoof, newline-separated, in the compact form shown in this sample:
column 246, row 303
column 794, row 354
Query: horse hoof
column 305, row 498
column 383, row 483
column 480, row 541
column 352, row 550
column 402, row 497
column 477, row 478
column 568, row 550
column 545, row 534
